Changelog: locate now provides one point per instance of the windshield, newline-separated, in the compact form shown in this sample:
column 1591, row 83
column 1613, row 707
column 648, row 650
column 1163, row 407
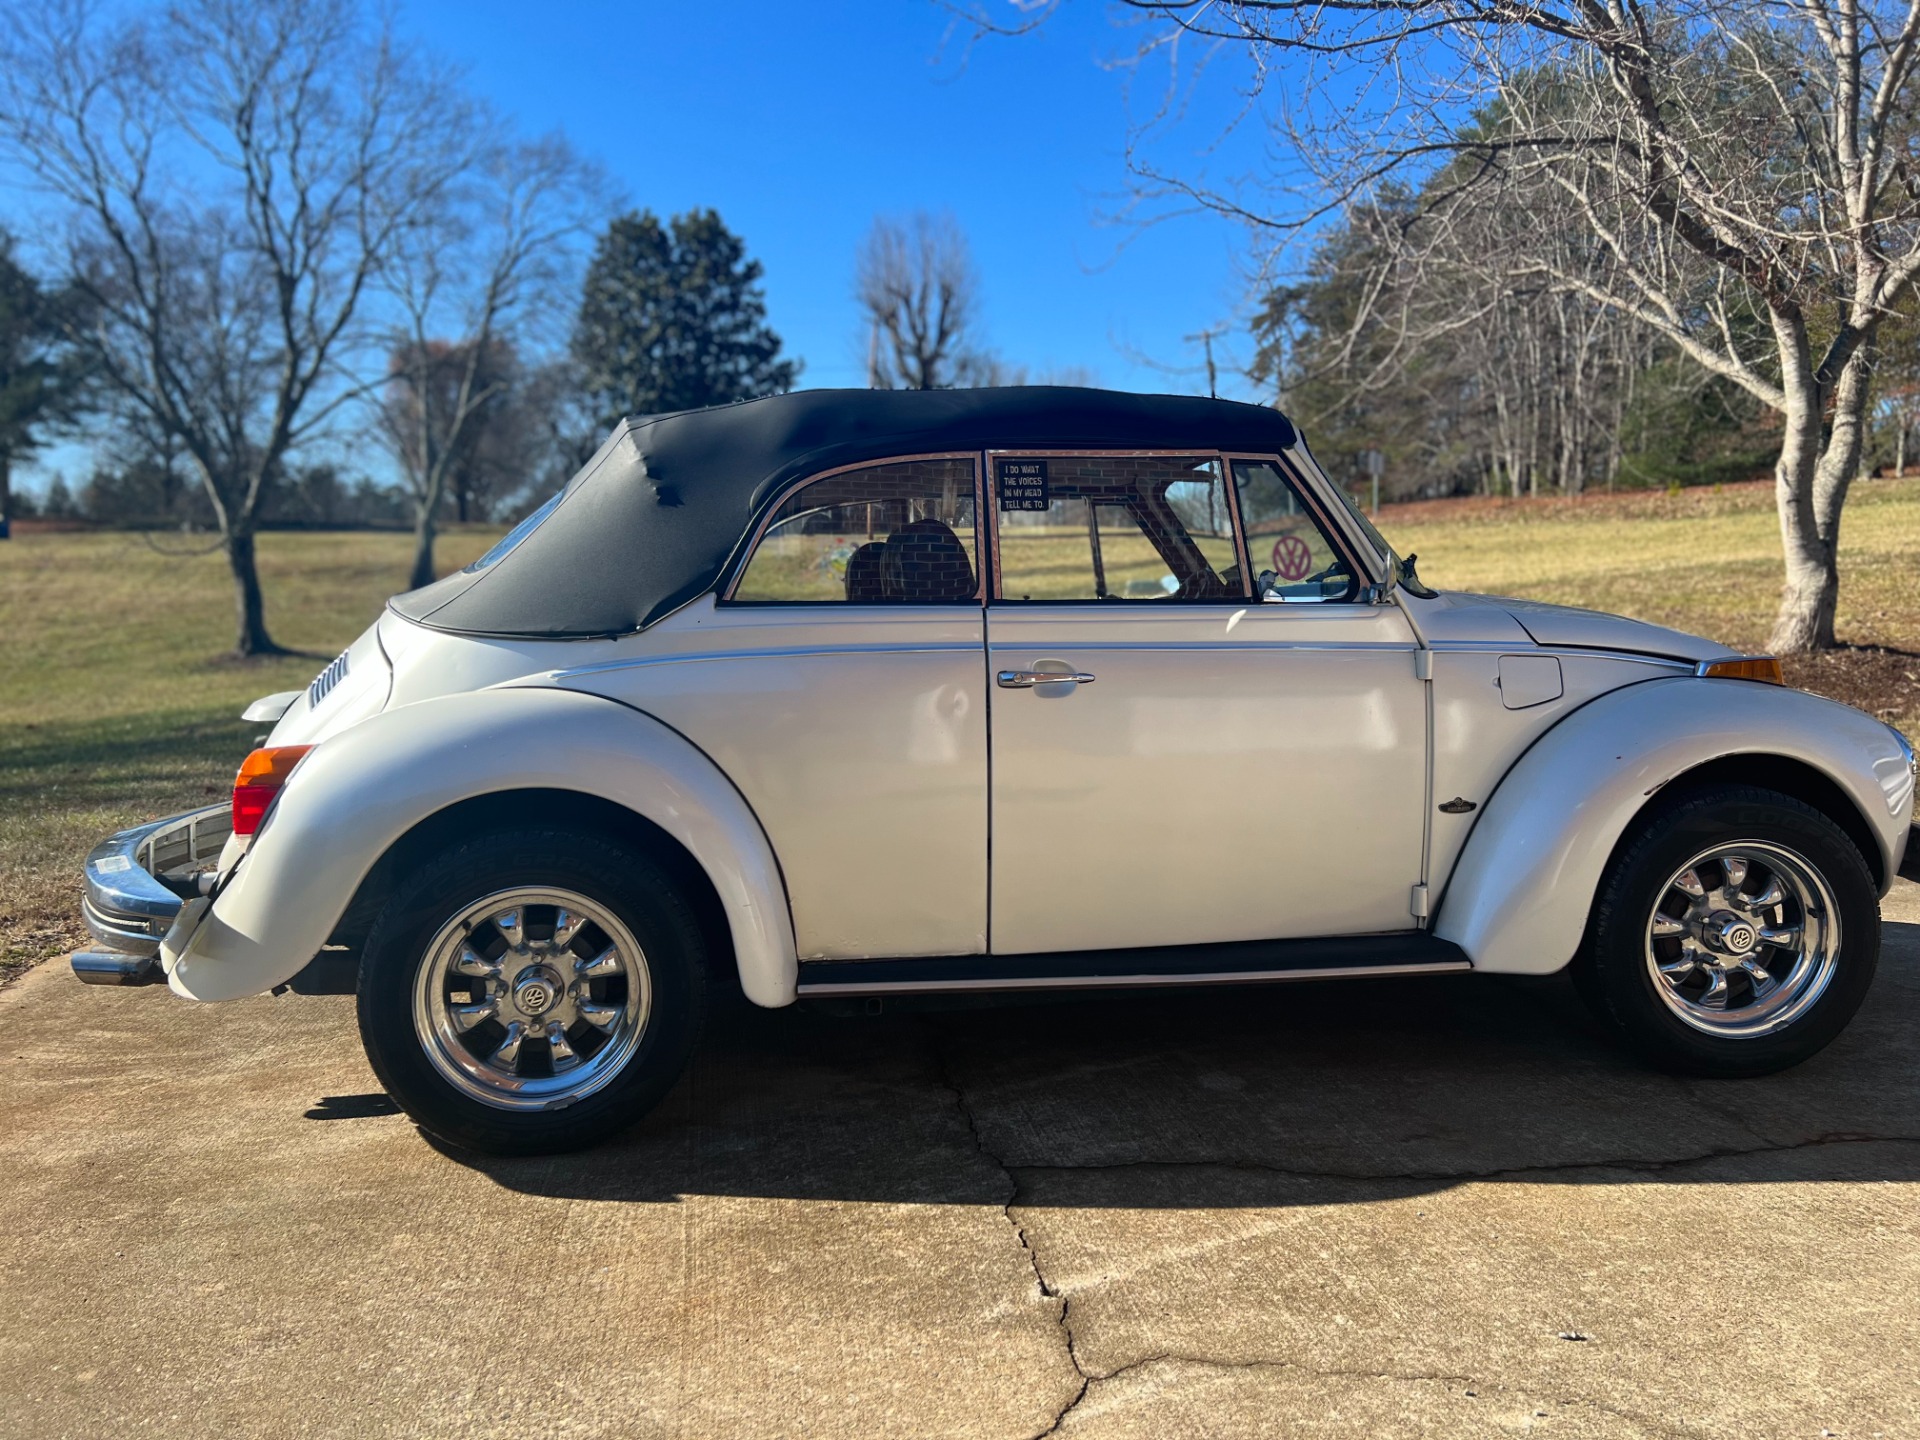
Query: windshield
column 519, row 532
column 1399, row 571
column 1380, row 544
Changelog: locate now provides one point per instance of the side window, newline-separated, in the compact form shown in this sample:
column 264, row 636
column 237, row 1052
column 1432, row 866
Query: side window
column 902, row 533
column 1290, row 554
column 1106, row 527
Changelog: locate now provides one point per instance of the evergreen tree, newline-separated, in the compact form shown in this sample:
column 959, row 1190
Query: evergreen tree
column 41, row 383
column 674, row 318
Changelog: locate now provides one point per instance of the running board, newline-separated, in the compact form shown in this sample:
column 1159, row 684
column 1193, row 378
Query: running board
column 1346, row 957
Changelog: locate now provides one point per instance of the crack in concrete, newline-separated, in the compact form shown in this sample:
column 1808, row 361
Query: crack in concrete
column 1488, row 1389
column 1692, row 1089
column 945, row 1073
column 1091, row 1378
column 1267, row 1167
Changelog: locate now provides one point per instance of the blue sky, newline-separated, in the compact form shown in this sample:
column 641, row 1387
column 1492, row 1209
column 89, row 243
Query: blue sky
column 801, row 123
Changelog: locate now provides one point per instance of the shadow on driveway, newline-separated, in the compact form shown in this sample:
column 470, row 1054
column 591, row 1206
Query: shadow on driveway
column 1271, row 1096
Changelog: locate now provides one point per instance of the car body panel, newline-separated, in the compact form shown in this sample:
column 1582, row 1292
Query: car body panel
column 1448, row 618
column 859, row 737
column 354, row 796
column 1564, row 625
column 360, row 686
column 1477, row 738
column 1232, row 773
column 1519, row 898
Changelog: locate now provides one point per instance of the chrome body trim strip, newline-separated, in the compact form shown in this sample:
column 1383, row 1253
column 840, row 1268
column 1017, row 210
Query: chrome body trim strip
column 1119, row 982
column 1578, row 652
column 776, row 652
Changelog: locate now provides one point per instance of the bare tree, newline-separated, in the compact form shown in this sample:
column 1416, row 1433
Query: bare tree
column 917, row 286
column 472, row 284
column 231, row 174
column 1747, row 167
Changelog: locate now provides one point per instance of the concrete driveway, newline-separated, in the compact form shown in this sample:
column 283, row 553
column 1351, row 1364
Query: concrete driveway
column 1436, row 1207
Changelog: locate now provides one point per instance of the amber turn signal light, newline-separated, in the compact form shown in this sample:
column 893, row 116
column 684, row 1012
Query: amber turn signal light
column 261, row 775
column 1748, row 667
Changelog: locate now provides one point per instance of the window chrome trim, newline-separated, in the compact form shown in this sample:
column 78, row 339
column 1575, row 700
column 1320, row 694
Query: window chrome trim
column 1301, row 462
column 786, row 493
column 1336, row 533
column 1090, row 452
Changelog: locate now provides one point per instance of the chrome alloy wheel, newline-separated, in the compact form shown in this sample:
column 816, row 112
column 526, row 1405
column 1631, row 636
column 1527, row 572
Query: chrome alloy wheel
column 1742, row 940
column 531, row 999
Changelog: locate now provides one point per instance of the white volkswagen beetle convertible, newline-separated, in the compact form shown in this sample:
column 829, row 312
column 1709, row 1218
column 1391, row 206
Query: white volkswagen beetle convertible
column 866, row 693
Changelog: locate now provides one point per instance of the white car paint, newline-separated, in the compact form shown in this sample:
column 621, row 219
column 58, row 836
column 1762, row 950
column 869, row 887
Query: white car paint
column 859, row 739
column 1518, row 899
column 1477, row 737
column 1206, row 785
column 1565, row 625
column 857, row 787
column 354, row 796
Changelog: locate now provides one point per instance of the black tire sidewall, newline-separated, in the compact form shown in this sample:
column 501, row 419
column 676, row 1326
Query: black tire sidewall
column 1612, row 968
column 630, row 885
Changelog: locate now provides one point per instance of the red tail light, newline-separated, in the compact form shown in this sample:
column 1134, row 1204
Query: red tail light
column 261, row 775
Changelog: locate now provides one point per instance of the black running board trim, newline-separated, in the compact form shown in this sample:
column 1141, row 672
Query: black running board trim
column 1346, row 957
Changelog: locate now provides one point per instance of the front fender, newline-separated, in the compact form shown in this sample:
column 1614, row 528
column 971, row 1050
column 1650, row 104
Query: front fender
column 1524, row 886
column 361, row 790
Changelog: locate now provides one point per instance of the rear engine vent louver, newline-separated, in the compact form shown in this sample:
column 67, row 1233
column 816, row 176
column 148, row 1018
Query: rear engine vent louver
column 327, row 679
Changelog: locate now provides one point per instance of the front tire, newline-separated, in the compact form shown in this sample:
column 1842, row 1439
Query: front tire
column 532, row 991
column 1735, row 933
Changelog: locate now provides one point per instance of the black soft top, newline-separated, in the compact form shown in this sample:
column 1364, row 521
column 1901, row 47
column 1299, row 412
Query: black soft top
column 653, row 518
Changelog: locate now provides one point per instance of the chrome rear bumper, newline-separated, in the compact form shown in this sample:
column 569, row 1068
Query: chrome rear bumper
column 136, row 883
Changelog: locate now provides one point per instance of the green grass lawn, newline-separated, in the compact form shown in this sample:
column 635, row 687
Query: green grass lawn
column 1707, row 561
column 117, row 704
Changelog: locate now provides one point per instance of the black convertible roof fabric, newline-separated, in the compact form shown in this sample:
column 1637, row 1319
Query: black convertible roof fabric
column 653, row 519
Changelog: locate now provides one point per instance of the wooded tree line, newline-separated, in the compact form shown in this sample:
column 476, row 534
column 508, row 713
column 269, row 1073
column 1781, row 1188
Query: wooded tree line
column 1740, row 179
column 1449, row 348
column 1467, row 385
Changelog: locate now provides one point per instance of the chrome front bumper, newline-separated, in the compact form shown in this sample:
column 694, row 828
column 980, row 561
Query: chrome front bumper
column 136, row 883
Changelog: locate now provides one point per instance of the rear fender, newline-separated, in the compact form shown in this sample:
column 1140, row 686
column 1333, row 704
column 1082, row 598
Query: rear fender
column 1519, row 898
column 360, row 791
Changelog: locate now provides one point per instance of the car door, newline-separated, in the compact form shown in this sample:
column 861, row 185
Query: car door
column 839, row 683
column 1209, row 766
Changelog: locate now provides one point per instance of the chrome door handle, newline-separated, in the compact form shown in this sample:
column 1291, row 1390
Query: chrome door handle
column 1027, row 679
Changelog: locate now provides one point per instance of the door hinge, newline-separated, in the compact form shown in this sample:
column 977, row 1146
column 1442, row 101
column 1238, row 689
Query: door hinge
column 1419, row 904
column 1423, row 665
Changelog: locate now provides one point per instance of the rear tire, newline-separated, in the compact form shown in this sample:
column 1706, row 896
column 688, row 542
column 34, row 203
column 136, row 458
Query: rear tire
column 1735, row 933
column 532, row 991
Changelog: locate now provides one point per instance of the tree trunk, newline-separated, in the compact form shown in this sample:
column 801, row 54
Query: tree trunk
column 1847, row 435
column 250, row 608
column 422, row 548
column 1805, row 618
column 6, row 494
